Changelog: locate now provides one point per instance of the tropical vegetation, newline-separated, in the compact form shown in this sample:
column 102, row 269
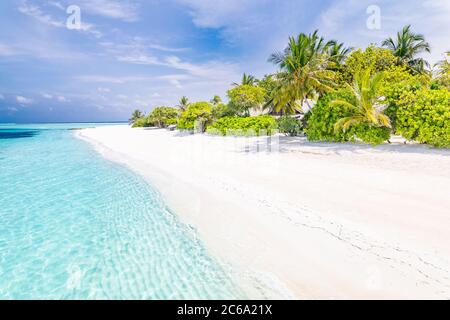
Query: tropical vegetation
column 330, row 92
column 197, row 116
column 245, row 126
column 407, row 47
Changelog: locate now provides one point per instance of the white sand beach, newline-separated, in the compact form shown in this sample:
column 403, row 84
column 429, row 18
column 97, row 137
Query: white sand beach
column 308, row 220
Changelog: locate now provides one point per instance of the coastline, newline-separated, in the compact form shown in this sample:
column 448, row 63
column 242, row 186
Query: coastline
column 312, row 221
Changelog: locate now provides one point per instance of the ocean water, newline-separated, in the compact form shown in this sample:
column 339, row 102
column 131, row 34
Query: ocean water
column 76, row 226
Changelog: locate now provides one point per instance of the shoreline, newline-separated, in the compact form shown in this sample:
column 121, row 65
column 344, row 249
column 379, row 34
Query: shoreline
column 314, row 221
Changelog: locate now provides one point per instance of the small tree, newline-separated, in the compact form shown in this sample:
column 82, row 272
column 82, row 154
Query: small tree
column 216, row 100
column 373, row 58
column 364, row 105
column 198, row 113
column 246, row 97
column 443, row 73
column 248, row 80
column 183, row 104
column 163, row 116
column 407, row 46
column 135, row 116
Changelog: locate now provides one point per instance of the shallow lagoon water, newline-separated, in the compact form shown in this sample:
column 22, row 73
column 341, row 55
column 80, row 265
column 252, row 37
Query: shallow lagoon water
column 76, row 226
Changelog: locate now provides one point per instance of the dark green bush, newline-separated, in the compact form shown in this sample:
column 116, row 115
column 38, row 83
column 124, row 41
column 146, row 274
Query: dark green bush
column 289, row 126
column 424, row 116
column 243, row 126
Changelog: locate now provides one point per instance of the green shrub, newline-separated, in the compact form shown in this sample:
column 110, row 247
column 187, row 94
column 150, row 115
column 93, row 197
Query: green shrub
column 141, row 122
column 374, row 58
column 223, row 110
column 245, row 97
column 162, row 117
column 424, row 116
column 396, row 81
column 243, row 126
column 372, row 135
column 289, row 126
column 322, row 118
column 196, row 114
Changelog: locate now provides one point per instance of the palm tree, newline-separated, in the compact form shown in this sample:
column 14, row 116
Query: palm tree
column 216, row 100
column 183, row 104
column 246, row 80
column 443, row 71
column 444, row 63
column 304, row 72
column 407, row 46
column 338, row 53
column 365, row 107
column 136, row 115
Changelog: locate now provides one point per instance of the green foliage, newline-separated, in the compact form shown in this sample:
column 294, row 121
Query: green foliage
column 223, row 110
column 364, row 105
column 183, row 104
column 269, row 84
column 141, row 122
column 372, row 135
column 424, row 116
column 243, row 126
column 396, row 81
column 443, row 74
column 247, row 79
column 197, row 115
column 407, row 46
column 373, row 58
column 289, row 126
column 304, row 72
column 162, row 117
column 216, row 100
column 246, row 97
column 322, row 119
column 136, row 115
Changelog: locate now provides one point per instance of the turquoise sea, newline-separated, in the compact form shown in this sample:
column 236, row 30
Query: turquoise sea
column 76, row 226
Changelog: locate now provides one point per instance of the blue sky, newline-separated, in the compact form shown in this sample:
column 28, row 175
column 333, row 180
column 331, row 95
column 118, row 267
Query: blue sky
column 144, row 53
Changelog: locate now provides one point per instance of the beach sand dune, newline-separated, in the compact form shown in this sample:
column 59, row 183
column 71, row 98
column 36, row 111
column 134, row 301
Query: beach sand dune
column 304, row 220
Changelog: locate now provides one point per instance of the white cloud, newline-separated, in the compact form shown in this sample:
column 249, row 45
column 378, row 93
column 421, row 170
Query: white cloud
column 103, row 90
column 56, row 4
column 125, row 10
column 23, row 101
column 211, row 69
column 346, row 21
column 47, row 96
column 167, row 49
column 2, row 97
column 221, row 13
column 176, row 83
column 139, row 59
column 37, row 13
column 12, row 109
column 110, row 79
column 62, row 99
